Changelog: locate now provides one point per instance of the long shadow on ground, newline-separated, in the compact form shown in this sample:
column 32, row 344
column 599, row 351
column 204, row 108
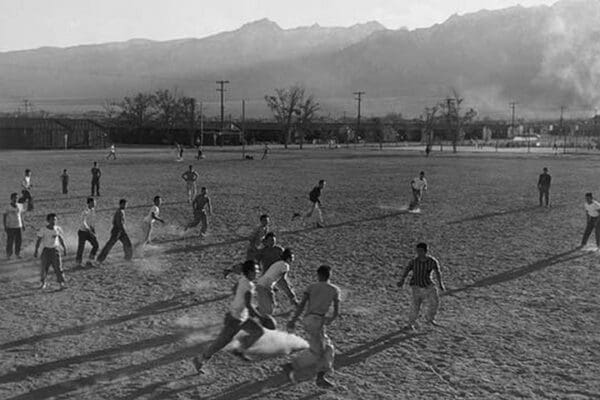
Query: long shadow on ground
column 521, row 271
column 238, row 391
column 160, row 307
column 293, row 232
column 497, row 214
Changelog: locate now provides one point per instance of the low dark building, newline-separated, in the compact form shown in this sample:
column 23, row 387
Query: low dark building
column 50, row 133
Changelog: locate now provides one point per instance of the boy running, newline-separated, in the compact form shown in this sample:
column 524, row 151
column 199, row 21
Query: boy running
column 64, row 179
column 422, row 285
column 150, row 218
column 87, row 232
column 317, row 299
column 190, row 177
column 276, row 275
column 26, row 186
column 13, row 226
column 51, row 236
column 96, row 174
column 418, row 185
column 271, row 253
column 592, row 213
column 257, row 237
column 202, row 207
column 118, row 233
column 239, row 318
column 315, row 204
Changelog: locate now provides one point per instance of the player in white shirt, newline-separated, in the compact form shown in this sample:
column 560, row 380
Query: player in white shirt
column 418, row 186
column 276, row 275
column 592, row 214
column 113, row 152
column 87, row 232
column 240, row 317
column 150, row 218
column 26, row 186
column 51, row 238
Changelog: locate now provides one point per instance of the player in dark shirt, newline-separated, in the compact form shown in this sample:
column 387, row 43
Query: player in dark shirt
column 270, row 253
column 421, row 284
column 544, row 187
column 96, row 174
column 118, row 233
column 315, row 204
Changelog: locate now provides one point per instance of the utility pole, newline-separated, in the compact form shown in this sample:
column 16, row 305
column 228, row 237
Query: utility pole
column 243, row 129
column 221, row 89
column 562, row 110
column 449, row 111
column 359, row 100
column 192, row 121
column 512, row 123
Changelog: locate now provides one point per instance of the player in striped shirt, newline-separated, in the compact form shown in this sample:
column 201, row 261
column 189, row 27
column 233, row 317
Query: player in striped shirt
column 150, row 218
column 422, row 286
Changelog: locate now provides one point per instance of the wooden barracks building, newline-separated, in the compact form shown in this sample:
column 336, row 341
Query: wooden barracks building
column 51, row 133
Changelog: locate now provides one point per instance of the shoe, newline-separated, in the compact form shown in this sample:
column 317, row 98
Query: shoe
column 434, row 323
column 43, row 286
column 323, row 383
column 18, row 256
column 320, row 225
column 7, row 258
column 288, row 370
column 240, row 354
column 411, row 327
column 198, row 365
column 226, row 272
column 90, row 264
column 63, row 285
column 296, row 215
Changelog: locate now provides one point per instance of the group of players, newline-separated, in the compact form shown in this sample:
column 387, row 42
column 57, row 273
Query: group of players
column 263, row 273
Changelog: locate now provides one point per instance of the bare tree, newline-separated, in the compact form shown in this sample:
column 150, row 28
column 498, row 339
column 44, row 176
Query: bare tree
column 456, row 121
column 307, row 111
column 284, row 106
column 429, row 120
column 137, row 112
column 169, row 108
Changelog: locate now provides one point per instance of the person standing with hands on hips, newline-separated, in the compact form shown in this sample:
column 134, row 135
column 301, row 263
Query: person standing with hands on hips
column 422, row 286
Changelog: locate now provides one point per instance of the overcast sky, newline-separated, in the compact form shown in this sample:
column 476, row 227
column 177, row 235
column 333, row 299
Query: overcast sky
column 26, row 24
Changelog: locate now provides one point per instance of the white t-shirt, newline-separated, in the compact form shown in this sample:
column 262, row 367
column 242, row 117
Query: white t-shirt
column 50, row 237
column 112, row 148
column 238, row 309
column 274, row 274
column 419, row 184
column 88, row 219
column 26, row 183
column 154, row 210
column 593, row 209
column 14, row 219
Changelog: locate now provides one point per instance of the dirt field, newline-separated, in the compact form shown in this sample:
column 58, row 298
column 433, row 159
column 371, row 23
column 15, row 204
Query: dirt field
column 520, row 317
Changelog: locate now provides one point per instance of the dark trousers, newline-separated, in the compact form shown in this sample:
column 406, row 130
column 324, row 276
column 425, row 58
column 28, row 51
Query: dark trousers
column 593, row 224
column 51, row 257
column 114, row 237
column 199, row 217
column 13, row 237
column 96, row 187
column 27, row 197
column 65, row 187
column 416, row 201
column 231, row 327
column 86, row 236
column 544, row 195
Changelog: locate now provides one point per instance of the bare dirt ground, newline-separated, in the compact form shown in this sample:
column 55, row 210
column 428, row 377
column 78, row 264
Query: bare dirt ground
column 520, row 317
